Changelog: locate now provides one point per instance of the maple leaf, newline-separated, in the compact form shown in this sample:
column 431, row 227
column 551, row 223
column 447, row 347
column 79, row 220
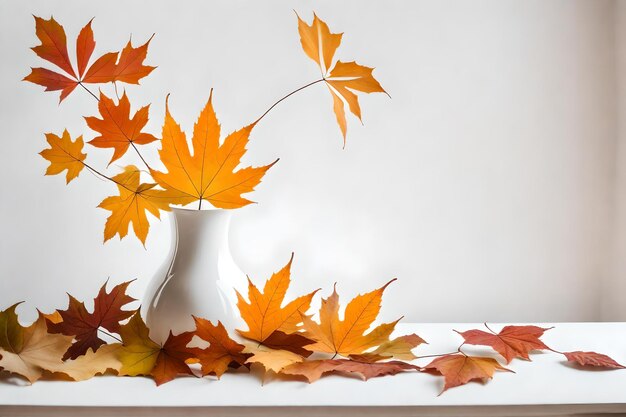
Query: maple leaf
column 132, row 203
column 84, row 326
column 271, row 359
column 342, row 78
column 264, row 314
column 222, row 351
column 28, row 351
column 64, row 154
column 209, row 174
column 107, row 68
column 512, row 341
column 459, row 369
column 293, row 342
column 92, row 363
column 313, row 370
column 592, row 359
column 347, row 336
column 400, row 347
column 117, row 130
column 140, row 355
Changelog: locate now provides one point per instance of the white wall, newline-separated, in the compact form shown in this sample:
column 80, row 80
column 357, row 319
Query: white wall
column 485, row 185
column 613, row 306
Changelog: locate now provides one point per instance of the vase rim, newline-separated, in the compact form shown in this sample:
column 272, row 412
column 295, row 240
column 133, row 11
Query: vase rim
column 195, row 210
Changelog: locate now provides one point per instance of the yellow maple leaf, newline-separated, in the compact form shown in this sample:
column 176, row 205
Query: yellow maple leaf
column 347, row 337
column 210, row 173
column 64, row 154
column 271, row 359
column 133, row 202
column 92, row 363
column 342, row 78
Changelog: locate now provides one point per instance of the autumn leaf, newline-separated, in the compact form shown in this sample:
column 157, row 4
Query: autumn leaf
column 64, row 154
column 512, row 341
column 53, row 48
column 131, row 205
column 209, row 174
column 313, row 370
column 130, row 68
column 264, row 313
column 342, row 78
column 400, row 348
column 271, row 359
column 222, row 351
column 293, row 342
column 346, row 337
column 117, row 129
column 92, row 363
column 140, row 355
column 84, row 326
column 29, row 351
column 592, row 359
column 459, row 369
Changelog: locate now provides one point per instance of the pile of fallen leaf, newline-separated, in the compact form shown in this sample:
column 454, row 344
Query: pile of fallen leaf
column 282, row 339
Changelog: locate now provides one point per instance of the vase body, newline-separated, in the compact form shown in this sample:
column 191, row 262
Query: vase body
column 198, row 277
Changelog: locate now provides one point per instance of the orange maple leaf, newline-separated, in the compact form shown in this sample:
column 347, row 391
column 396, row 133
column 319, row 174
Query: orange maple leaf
column 209, row 174
column 133, row 202
column 222, row 351
column 342, row 78
column 459, row 369
column 83, row 325
column 347, row 337
column 64, row 154
column 117, row 129
column 592, row 359
column 140, row 355
column 264, row 314
column 511, row 342
column 107, row 68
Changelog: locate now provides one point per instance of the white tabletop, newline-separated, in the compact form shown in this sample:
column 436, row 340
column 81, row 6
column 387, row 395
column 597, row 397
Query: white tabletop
column 546, row 383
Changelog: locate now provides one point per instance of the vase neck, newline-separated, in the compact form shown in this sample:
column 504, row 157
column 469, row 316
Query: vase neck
column 197, row 229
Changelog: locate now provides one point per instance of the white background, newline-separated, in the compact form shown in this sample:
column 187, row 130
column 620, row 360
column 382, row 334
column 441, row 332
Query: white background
column 487, row 185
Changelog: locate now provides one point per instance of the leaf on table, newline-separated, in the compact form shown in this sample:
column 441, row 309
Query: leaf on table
column 271, row 359
column 264, row 313
column 348, row 336
column 592, row 359
column 400, row 347
column 117, row 129
column 132, row 203
column 211, row 172
column 92, row 363
column 459, row 369
column 83, row 325
column 64, row 154
column 293, row 342
column 29, row 351
column 512, row 341
column 222, row 351
column 315, row 369
column 107, row 68
column 140, row 355
column 342, row 78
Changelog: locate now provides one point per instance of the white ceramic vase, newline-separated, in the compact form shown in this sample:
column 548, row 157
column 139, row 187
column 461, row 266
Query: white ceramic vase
column 198, row 278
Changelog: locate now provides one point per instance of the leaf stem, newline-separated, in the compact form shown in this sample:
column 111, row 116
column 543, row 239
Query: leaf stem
column 287, row 96
column 130, row 141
